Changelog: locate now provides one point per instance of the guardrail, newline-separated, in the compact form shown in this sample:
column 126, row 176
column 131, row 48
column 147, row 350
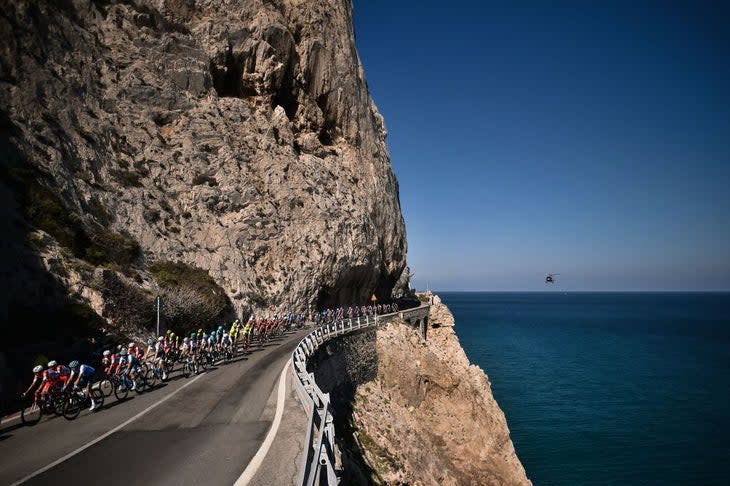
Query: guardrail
column 319, row 460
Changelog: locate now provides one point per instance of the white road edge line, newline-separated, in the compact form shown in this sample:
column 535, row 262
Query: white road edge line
column 253, row 466
column 105, row 435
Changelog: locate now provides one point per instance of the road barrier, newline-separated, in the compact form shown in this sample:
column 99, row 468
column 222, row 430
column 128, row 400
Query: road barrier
column 319, row 461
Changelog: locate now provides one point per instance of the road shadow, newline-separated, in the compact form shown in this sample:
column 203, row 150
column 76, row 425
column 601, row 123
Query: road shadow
column 11, row 428
column 157, row 386
column 117, row 402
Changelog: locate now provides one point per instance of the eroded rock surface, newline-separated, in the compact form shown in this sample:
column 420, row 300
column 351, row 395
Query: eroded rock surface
column 417, row 411
column 237, row 136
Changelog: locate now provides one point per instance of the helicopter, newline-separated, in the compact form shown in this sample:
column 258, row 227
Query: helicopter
column 551, row 278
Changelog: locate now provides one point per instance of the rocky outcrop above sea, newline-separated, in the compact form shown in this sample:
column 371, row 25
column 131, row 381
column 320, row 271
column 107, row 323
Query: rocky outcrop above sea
column 236, row 136
column 409, row 411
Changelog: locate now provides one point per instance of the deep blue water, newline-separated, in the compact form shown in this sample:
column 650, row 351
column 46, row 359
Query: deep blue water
column 607, row 388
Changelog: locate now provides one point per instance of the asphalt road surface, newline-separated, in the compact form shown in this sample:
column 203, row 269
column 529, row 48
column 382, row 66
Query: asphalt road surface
column 205, row 432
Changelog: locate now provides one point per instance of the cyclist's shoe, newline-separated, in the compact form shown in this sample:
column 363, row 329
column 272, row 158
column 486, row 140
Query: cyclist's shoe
column 164, row 376
column 134, row 386
column 93, row 405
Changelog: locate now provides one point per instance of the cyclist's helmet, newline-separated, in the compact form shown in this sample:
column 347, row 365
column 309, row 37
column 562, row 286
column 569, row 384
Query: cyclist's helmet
column 74, row 364
column 160, row 339
column 225, row 334
column 151, row 341
column 106, row 352
column 119, row 347
column 131, row 345
column 185, row 340
column 52, row 363
column 38, row 369
column 200, row 331
column 205, row 335
column 123, row 352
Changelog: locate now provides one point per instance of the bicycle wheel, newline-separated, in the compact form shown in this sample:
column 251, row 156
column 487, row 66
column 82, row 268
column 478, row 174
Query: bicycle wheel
column 58, row 401
column 202, row 364
column 72, row 406
column 170, row 365
column 98, row 397
column 106, row 387
column 31, row 414
column 140, row 384
column 151, row 378
column 120, row 391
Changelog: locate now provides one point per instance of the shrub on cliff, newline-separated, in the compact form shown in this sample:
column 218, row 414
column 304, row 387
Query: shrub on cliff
column 109, row 247
column 190, row 296
column 125, row 303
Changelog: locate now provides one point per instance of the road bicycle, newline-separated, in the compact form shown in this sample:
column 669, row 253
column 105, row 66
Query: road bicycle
column 152, row 374
column 137, row 384
column 114, row 383
column 77, row 400
column 190, row 365
column 50, row 403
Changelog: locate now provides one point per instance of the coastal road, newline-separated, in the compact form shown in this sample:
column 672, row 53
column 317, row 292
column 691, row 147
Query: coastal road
column 205, row 432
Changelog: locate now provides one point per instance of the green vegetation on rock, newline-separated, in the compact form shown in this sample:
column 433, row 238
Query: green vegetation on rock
column 191, row 297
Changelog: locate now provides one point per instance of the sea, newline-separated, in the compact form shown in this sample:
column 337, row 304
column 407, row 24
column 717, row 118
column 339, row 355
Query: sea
column 607, row 388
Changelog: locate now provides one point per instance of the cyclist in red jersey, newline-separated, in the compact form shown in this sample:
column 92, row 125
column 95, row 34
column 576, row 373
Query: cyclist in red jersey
column 51, row 378
column 37, row 379
column 64, row 372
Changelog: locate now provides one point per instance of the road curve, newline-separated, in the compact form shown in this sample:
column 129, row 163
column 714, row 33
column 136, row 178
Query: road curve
column 205, row 433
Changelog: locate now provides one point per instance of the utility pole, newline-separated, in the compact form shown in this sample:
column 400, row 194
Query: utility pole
column 158, row 301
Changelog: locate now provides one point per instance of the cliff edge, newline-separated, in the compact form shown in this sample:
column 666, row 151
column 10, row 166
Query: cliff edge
column 410, row 411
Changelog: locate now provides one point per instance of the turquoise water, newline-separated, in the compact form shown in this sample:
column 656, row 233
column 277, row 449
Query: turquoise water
column 607, row 388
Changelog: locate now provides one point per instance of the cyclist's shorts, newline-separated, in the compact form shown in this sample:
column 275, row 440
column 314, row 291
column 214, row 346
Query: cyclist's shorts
column 84, row 380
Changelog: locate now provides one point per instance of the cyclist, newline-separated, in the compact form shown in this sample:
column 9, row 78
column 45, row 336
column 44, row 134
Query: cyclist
column 106, row 360
column 63, row 372
column 226, row 343
column 51, row 379
column 193, row 345
column 162, row 347
column 140, row 351
column 121, row 367
column 39, row 378
column 185, row 350
column 233, row 331
column 133, row 365
column 83, row 380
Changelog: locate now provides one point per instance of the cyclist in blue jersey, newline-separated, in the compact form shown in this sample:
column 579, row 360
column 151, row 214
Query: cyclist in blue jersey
column 83, row 375
column 133, row 366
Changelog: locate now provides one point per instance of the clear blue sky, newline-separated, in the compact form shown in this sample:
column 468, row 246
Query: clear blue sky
column 573, row 138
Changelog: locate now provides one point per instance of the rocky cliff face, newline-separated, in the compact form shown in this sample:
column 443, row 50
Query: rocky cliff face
column 410, row 411
column 236, row 136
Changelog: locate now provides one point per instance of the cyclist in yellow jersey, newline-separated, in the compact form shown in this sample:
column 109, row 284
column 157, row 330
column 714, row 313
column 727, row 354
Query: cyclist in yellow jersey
column 233, row 332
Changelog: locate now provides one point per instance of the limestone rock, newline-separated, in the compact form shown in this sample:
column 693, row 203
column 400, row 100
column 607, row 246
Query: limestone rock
column 418, row 412
column 237, row 136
